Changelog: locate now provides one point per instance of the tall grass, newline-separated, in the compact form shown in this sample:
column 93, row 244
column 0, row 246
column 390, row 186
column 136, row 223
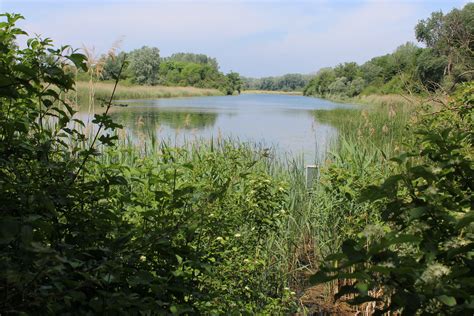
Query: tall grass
column 103, row 90
column 379, row 126
column 375, row 99
column 319, row 218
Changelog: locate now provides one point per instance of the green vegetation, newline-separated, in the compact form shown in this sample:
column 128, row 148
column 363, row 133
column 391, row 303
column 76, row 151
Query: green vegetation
column 446, row 61
column 102, row 90
column 272, row 92
column 418, row 259
column 288, row 82
column 91, row 227
column 92, row 224
column 146, row 67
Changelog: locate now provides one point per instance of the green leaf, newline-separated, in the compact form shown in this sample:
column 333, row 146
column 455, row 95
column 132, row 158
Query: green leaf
column 447, row 300
column 79, row 60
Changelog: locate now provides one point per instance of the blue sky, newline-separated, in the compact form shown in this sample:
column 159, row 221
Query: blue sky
column 254, row 38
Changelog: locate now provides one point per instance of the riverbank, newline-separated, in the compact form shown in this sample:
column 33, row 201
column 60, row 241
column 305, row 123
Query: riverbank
column 103, row 90
column 373, row 99
column 271, row 92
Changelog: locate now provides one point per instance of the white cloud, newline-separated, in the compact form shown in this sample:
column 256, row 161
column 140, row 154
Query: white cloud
column 252, row 37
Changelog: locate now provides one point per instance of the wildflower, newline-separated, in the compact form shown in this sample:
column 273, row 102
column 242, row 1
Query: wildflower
column 434, row 272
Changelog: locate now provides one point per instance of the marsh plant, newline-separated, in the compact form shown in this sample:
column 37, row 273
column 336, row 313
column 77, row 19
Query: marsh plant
column 93, row 228
column 94, row 223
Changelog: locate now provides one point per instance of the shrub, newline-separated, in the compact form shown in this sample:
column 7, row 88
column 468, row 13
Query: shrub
column 420, row 260
column 91, row 228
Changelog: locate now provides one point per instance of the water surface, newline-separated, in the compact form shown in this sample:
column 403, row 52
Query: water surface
column 285, row 122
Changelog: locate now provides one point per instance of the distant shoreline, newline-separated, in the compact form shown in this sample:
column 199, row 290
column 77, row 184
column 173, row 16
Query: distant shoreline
column 271, row 92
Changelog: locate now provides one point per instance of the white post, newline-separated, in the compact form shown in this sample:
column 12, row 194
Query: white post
column 312, row 174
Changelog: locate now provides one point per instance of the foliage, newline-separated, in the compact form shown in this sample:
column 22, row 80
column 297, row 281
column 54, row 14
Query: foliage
column 232, row 83
column 180, row 73
column 89, row 227
column 446, row 61
column 144, row 64
column 450, row 35
column 194, row 58
column 288, row 82
column 146, row 67
column 319, row 85
column 420, row 260
column 112, row 65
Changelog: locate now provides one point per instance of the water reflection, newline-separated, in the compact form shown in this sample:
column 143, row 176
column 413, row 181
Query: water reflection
column 143, row 119
column 281, row 121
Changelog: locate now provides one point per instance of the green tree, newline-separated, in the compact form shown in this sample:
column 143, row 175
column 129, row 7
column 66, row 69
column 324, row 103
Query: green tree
column 233, row 83
column 111, row 66
column 144, row 64
column 339, row 86
column 356, row 86
column 194, row 58
column 348, row 70
column 430, row 68
column 319, row 85
column 451, row 35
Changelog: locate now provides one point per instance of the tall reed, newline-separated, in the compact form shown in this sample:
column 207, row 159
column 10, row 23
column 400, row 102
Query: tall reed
column 103, row 90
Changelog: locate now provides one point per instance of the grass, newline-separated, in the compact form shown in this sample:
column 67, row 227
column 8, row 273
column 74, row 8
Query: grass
column 379, row 126
column 104, row 90
column 317, row 219
column 374, row 99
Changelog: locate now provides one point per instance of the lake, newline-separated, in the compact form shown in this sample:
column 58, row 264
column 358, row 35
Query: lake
column 284, row 122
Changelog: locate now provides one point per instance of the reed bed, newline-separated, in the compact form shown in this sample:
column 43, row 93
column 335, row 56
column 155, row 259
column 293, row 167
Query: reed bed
column 380, row 126
column 103, row 90
column 317, row 218
column 373, row 99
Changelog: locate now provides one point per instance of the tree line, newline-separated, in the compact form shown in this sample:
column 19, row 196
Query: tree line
column 446, row 59
column 288, row 82
column 146, row 67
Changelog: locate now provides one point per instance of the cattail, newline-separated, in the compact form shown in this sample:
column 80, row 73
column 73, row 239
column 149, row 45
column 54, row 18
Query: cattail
column 391, row 112
column 187, row 120
column 140, row 122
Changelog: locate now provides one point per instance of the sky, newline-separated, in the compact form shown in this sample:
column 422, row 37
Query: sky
column 254, row 38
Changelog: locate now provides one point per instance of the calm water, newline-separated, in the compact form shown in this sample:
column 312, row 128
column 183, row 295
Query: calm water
column 281, row 121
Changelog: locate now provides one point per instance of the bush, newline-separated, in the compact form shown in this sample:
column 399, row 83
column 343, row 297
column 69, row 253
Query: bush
column 420, row 260
column 91, row 228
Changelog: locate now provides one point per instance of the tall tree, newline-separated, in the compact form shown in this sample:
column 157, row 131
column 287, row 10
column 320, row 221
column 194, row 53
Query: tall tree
column 144, row 65
column 451, row 35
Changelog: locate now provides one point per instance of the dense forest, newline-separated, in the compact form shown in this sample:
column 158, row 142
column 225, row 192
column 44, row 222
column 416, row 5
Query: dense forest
column 146, row 67
column 445, row 59
column 93, row 224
